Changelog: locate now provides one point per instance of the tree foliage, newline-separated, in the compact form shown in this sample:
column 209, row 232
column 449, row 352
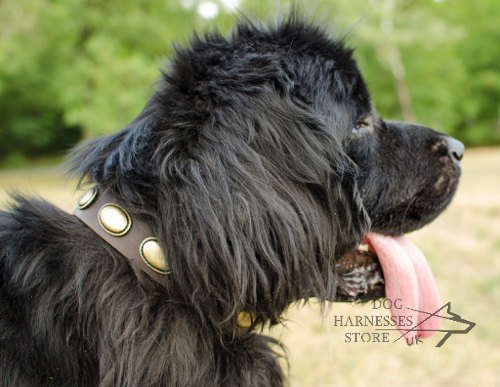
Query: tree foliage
column 73, row 69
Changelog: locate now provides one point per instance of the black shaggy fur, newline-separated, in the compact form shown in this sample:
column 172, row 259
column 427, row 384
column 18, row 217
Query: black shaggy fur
column 259, row 162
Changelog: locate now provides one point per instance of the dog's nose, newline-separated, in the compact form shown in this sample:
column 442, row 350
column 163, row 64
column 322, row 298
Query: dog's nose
column 455, row 148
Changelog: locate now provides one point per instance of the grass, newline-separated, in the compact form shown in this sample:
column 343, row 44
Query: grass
column 462, row 247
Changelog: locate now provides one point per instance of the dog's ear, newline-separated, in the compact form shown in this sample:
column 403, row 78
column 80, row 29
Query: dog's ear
column 120, row 161
column 255, row 206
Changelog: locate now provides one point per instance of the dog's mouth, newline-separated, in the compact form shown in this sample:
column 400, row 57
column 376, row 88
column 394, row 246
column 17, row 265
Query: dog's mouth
column 393, row 267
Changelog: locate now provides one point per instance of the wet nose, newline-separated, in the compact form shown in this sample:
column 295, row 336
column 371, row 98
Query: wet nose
column 455, row 148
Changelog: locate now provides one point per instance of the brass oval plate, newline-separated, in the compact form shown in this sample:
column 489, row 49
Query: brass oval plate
column 87, row 198
column 153, row 257
column 114, row 219
column 245, row 319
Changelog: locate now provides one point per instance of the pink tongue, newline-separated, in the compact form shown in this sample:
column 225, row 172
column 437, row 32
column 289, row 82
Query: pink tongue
column 408, row 278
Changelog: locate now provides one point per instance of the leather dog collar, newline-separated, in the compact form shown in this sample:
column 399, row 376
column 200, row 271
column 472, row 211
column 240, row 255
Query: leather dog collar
column 133, row 238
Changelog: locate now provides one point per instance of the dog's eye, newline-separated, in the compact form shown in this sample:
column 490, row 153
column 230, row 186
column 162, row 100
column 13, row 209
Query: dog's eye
column 360, row 125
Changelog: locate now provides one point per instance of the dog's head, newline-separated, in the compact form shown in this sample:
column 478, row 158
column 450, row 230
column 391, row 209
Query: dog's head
column 261, row 161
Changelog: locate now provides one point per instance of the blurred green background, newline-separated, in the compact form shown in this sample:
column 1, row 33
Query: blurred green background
column 74, row 69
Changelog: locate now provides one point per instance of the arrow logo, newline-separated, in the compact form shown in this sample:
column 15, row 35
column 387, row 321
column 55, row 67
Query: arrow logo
column 454, row 317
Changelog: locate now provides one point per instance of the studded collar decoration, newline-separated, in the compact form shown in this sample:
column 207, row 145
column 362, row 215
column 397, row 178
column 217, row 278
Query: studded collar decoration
column 133, row 238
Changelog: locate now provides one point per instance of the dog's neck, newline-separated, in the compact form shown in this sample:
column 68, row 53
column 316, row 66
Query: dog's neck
column 132, row 237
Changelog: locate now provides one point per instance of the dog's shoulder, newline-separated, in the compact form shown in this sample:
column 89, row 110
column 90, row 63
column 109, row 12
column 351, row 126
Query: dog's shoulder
column 35, row 237
column 32, row 215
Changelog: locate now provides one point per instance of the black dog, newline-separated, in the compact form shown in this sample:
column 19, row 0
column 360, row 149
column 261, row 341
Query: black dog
column 257, row 165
